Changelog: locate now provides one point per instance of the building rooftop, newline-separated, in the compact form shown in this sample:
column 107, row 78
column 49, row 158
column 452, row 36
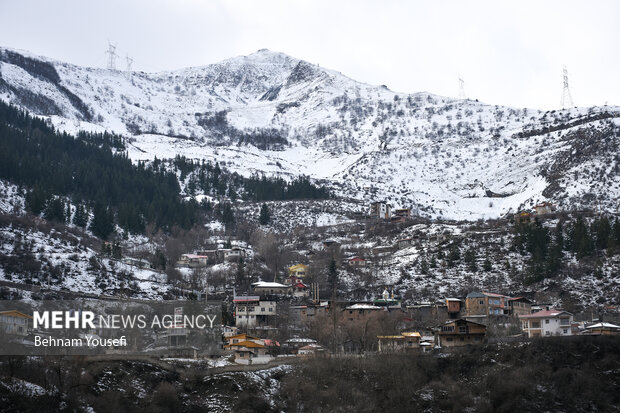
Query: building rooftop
column 545, row 313
column 363, row 307
column 266, row 284
column 604, row 325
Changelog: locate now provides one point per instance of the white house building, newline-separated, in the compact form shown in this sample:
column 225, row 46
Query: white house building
column 547, row 323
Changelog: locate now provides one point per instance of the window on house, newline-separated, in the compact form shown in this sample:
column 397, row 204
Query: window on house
column 462, row 329
column 547, row 333
column 481, row 302
column 547, row 321
column 564, row 321
column 271, row 310
column 565, row 331
column 262, row 309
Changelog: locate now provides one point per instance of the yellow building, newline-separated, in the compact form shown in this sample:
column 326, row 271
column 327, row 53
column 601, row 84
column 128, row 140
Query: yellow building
column 298, row 270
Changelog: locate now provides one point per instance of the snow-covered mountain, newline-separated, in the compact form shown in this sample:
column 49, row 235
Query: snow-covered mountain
column 272, row 113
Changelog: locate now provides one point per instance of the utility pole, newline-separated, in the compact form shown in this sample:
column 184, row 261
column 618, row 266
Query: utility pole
column 567, row 99
column 462, row 89
column 111, row 52
column 129, row 61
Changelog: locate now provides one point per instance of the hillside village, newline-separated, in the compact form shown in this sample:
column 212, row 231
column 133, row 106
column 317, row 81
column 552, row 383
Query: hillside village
column 325, row 298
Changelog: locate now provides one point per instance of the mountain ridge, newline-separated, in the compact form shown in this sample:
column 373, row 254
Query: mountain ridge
column 272, row 113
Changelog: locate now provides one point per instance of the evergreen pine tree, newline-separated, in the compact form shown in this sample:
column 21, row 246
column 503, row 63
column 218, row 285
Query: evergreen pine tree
column 80, row 217
column 332, row 275
column 240, row 276
column 228, row 218
column 102, row 224
column 36, row 199
column 55, row 210
column 116, row 250
column 486, row 265
column 264, row 216
column 470, row 259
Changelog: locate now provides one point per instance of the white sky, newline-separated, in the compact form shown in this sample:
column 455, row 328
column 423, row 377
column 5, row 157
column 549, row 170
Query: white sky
column 510, row 53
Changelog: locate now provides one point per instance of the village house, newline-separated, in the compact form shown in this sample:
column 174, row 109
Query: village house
column 480, row 305
column 229, row 331
column 292, row 345
column 602, row 329
column 192, row 261
column 429, row 312
column 547, row 323
column 453, row 307
column 271, row 288
column 310, row 349
column 356, row 262
column 15, row 323
column 406, row 341
column 136, row 262
column 249, row 352
column 523, row 217
column 301, row 314
column 360, row 311
column 213, row 256
column 298, row 270
column 251, row 311
column 402, row 212
column 519, row 306
column 381, row 210
column 460, row 332
column 234, row 254
column 397, row 220
column 299, row 289
column 238, row 338
column 404, row 242
column 543, row 208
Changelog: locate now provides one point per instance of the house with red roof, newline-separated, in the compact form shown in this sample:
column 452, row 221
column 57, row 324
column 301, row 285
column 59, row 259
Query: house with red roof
column 357, row 261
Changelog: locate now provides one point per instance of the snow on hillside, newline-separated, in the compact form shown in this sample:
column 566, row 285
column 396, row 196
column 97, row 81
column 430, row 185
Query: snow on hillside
column 271, row 113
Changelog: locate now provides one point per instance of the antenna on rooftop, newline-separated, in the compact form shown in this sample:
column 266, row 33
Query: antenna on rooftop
column 567, row 99
column 462, row 89
column 111, row 52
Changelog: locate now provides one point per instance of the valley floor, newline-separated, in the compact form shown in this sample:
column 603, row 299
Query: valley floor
column 578, row 374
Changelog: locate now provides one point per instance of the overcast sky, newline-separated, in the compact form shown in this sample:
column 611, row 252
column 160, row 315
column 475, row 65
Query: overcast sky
column 508, row 53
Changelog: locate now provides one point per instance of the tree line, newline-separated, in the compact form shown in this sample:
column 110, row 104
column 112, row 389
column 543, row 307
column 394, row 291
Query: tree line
column 69, row 178
column 547, row 246
column 50, row 163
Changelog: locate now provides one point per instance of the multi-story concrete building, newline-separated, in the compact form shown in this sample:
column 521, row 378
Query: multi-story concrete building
column 251, row 311
column 547, row 323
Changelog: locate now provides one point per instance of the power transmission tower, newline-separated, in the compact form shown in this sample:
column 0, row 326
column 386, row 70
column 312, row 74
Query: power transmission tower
column 566, row 97
column 111, row 52
column 462, row 89
column 129, row 62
